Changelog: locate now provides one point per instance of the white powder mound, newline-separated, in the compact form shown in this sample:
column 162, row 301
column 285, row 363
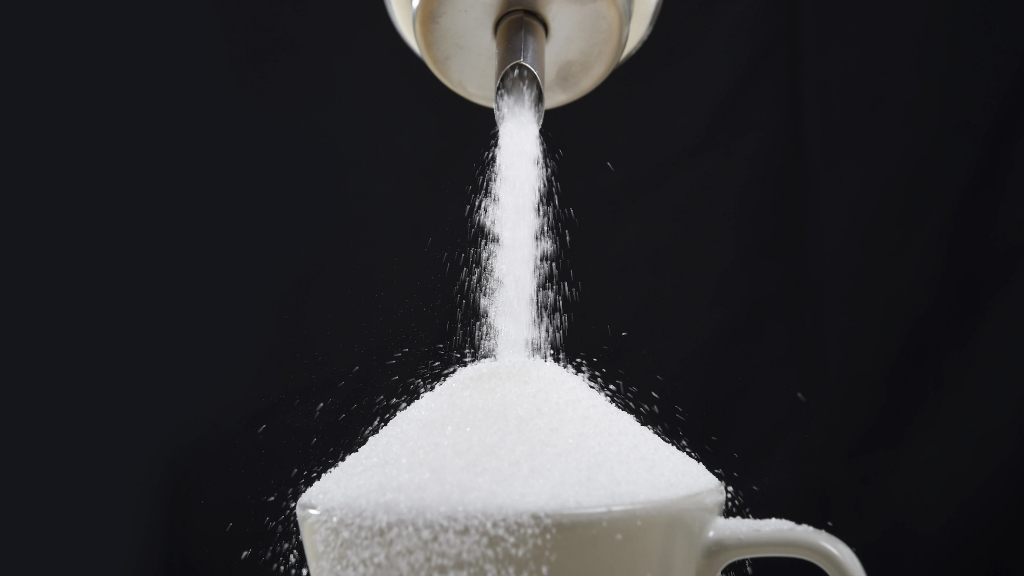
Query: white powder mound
column 506, row 437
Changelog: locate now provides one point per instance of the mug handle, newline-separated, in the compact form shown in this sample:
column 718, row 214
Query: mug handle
column 731, row 539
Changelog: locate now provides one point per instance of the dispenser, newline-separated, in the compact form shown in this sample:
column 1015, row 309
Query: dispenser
column 567, row 47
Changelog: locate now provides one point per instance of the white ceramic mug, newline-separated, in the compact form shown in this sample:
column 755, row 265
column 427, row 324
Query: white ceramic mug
column 682, row 537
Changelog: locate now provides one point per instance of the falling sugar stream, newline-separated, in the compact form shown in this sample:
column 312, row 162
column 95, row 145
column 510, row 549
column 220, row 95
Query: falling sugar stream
column 515, row 322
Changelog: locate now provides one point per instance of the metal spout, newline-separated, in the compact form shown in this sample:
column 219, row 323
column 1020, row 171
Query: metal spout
column 519, row 83
column 521, row 37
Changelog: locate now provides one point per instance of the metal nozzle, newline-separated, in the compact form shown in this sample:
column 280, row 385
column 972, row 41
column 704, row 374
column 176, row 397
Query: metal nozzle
column 521, row 37
column 518, row 84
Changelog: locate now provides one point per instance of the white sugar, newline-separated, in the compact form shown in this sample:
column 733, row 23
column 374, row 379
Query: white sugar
column 467, row 475
column 511, row 214
column 497, row 437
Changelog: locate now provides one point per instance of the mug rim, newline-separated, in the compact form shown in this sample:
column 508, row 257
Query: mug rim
column 709, row 498
column 712, row 498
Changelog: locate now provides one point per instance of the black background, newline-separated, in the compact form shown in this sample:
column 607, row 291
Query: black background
column 801, row 223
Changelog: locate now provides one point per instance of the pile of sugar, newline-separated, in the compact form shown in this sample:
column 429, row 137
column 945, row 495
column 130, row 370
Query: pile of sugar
column 463, row 481
column 507, row 437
